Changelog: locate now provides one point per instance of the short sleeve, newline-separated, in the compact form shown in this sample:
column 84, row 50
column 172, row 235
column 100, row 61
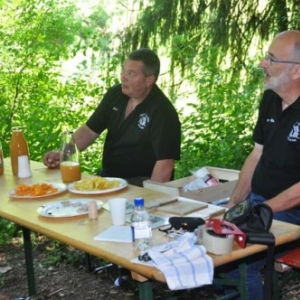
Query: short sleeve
column 166, row 134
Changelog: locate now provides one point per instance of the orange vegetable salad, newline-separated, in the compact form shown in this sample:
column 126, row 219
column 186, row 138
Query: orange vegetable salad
column 39, row 189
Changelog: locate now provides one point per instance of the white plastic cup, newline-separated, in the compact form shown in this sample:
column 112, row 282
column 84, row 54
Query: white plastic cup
column 117, row 207
column 23, row 167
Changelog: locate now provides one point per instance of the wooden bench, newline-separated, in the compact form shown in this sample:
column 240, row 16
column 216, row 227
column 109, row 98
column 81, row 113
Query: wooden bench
column 291, row 259
column 286, row 262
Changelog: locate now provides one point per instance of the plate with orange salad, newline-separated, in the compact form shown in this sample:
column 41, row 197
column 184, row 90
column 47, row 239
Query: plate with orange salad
column 37, row 190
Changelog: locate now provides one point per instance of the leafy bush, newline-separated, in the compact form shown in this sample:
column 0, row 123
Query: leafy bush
column 217, row 126
column 33, row 92
column 8, row 230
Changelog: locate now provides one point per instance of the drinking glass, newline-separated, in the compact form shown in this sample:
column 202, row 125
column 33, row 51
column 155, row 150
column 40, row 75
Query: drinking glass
column 69, row 158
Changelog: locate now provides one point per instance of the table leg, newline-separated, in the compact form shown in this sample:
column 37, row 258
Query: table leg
column 29, row 262
column 88, row 264
column 145, row 290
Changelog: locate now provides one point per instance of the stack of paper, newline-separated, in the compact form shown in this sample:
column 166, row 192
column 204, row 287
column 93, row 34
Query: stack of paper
column 115, row 234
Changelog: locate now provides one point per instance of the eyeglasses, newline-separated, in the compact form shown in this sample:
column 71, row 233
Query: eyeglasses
column 272, row 59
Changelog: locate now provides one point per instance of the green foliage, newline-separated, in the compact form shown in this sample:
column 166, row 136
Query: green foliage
column 233, row 27
column 57, row 253
column 218, row 127
column 37, row 37
column 217, row 121
column 8, row 230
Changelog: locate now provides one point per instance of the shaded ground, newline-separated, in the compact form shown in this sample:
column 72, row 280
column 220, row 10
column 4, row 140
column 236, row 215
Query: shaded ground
column 58, row 278
column 64, row 280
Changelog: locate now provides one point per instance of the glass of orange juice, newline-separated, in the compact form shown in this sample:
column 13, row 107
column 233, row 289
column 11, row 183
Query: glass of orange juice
column 69, row 159
column 70, row 171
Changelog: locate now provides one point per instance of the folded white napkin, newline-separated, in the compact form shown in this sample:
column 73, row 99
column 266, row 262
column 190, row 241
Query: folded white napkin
column 184, row 264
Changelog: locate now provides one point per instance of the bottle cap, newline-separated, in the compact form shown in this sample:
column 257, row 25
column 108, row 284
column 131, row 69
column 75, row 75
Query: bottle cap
column 139, row 201
column 18, row 128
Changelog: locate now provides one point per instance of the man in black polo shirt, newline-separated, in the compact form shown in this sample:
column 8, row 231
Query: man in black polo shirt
column 271, row 173
column 143, row 128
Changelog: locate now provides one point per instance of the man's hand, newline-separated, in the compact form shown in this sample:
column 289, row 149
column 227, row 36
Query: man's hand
column 229, row 204
column 51, row 159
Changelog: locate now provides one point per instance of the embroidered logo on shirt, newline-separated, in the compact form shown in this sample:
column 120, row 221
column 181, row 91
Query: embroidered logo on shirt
column 115, row 108
column 294, row 135
column 143, row 121
column 270, row 120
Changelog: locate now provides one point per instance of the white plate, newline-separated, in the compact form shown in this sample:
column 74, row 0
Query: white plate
column 66, row 208
column 60, row 186
column 122, row 185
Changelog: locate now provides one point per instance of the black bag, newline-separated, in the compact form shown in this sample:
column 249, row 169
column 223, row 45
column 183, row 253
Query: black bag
column 249, row 218
column 256, row 221
column 185, row 223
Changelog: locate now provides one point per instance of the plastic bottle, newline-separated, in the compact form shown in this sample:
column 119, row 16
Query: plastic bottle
column 141, row 226
column 69, row 158
column 1, row 160
column 18, row 147
column 206, row 177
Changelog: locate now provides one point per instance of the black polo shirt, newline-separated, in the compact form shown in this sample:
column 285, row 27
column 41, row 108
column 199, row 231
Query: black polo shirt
column 133, row 145
column 279, row 132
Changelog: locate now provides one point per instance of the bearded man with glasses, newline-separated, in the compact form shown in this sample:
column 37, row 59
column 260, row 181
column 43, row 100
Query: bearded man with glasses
column 271, row 172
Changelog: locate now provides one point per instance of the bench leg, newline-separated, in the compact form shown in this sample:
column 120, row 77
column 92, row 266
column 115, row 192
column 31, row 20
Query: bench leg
column 239, row 283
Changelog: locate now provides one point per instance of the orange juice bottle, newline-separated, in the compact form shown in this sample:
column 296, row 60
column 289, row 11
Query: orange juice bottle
column 69, row 159
column 1, row 160
column 18, row 146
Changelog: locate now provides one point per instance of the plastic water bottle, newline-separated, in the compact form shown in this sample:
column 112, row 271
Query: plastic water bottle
column 140, row 226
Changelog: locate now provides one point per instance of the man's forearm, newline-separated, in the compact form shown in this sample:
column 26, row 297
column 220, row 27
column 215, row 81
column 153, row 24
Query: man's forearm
column 241, row 190
column 287, row 199
column 243, row 186
column 163, row 170
column 83, row 137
